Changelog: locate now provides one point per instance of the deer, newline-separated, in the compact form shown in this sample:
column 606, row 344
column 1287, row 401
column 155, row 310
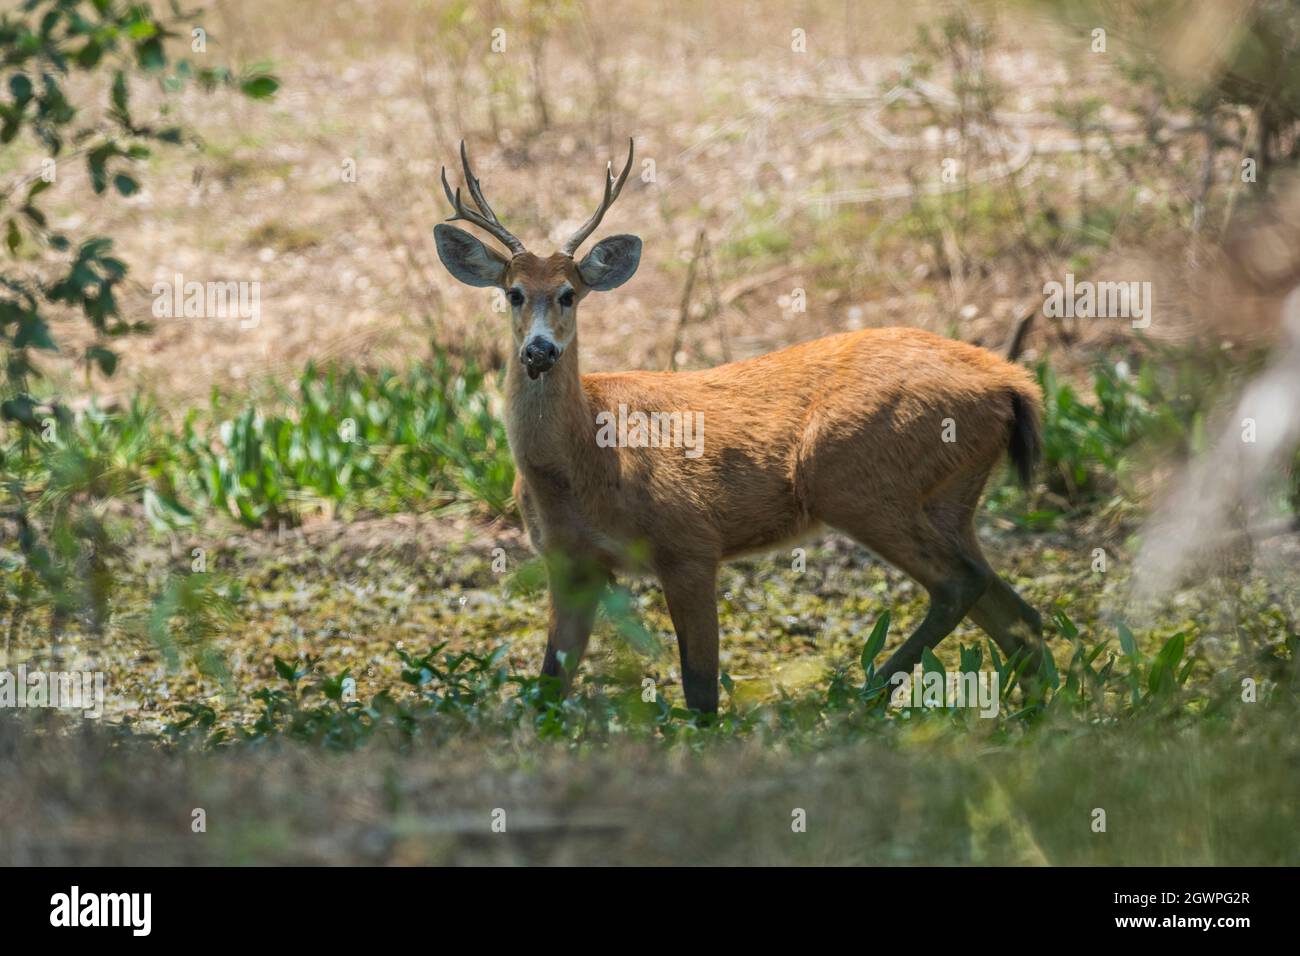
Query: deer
column 888, row 435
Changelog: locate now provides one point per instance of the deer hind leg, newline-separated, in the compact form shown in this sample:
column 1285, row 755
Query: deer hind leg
column 939, row 561
column 1000, row 612
column 1014, row 626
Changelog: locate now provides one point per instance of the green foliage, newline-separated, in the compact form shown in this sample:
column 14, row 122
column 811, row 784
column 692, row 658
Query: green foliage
column 43, row 43
column 1084, row 442
column 347, row 438
column 1093, row 443
column 62, row 473
column 455, row 694
column 344, row 439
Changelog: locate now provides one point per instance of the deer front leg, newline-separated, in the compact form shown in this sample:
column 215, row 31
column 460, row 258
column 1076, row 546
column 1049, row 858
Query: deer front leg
column 691, row 590
column 575, row 589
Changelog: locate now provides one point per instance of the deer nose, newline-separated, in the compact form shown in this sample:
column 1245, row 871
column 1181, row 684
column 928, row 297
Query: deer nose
column 539, row 355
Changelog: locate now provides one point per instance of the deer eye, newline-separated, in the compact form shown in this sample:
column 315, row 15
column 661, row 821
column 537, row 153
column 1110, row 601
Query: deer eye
column 516, row 297
column 566, row 298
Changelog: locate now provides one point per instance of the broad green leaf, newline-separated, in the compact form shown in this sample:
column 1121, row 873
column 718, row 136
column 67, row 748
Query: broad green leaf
column 1126, row 640
column 930, row 664
column 260, row 87
column 875, row 640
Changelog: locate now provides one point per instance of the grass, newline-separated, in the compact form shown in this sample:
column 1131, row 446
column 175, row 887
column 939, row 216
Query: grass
column 1109, row 679
column 348, row 439
column 419, row 774
column 398, row 692
column 339, row 440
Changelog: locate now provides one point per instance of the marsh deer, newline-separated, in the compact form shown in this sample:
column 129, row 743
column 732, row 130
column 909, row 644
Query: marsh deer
column 888, row 435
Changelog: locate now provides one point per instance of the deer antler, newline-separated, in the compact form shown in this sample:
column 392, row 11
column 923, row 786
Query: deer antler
column 488, row 219
column 612, row 189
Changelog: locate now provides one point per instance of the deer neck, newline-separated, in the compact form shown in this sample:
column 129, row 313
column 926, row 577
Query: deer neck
column 548, row 419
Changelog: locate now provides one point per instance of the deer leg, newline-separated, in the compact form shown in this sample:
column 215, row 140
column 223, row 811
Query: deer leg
column 1012, row 623
column 939, row 559
column 567, row 634
column 1000, row 612
column 576, row 589
column 951, row 598
column 691, row 591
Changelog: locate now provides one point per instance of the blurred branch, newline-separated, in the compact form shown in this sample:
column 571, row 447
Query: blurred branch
column 684, row 311
column 1016, row 343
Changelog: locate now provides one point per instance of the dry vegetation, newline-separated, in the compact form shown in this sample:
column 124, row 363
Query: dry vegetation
column 793, row 166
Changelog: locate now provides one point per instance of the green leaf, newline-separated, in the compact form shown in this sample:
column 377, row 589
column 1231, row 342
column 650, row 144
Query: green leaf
column 21, row 88
column 1161, row 676
column 994, row 658
column 1172, row 652
column 1048, row 670
column 34, row 333
column 875, row 641
column 88, row 56
column 260, row 87
column 106, row 359
column 1126, row 640
column 119, row 94
column 21, row 409
column 930, row 664
column 96, row 163
column 150, row 56
column 1065, row 624
column 125, row 185
column 164, row 513
column 618, row 607
column 142, row 30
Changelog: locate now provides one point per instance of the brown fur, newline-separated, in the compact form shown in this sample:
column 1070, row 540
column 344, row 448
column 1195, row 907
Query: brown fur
column 844, row 431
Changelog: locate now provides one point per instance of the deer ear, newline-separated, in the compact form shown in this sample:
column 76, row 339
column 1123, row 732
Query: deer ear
column 468, row 259
column 610, row 263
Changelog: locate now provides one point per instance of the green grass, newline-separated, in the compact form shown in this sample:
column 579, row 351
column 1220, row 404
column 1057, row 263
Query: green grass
column 1138, row 412
column 342, row 440
column 1109, row 679
column 349, row 440
column 1186, row 771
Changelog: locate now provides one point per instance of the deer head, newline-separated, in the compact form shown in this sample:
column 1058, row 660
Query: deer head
column 543, row 292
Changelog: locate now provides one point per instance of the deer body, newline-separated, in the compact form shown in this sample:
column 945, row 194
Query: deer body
column 888, row 435
column 792, row 440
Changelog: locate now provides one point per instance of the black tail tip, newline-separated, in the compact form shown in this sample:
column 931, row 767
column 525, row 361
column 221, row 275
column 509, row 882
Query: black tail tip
column 1025, row 445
